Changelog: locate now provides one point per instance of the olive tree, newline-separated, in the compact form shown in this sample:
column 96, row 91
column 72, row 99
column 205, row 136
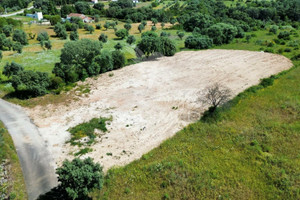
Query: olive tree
column 20, row 36
column 214, row 95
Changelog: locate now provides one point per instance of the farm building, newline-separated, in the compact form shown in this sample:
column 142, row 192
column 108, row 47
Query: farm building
column 37, row 15
column 84, row 18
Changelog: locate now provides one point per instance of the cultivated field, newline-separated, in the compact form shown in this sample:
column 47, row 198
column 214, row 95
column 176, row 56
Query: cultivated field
column 150, row 101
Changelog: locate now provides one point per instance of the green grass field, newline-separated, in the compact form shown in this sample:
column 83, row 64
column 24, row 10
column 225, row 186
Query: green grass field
column 16, row 186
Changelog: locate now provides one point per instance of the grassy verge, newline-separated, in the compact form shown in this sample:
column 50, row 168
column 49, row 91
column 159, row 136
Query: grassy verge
column 16, row 185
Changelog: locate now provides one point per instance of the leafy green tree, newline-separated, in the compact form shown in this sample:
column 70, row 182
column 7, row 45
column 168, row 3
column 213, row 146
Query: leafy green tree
column 7, row 30
column 76, row 57
column 98, row 26
column 202, row 21
column 154, row 21
column 104, row 61
column 149, row 45
column 99, row 6
column 48, row 45
column 96, row 18
column 113, row 24
column 273, row 29
column 106, row 25
column 1, row 55
column 8, row 43
column 2, row 40
column 153, row 28
column 102, row 38
column 180, row 34
column 173, row 21
column 144, row 23
column 118, row 59
column 42, row 36
column 90, row 29
column 60, row 31
column 83, row 7
column 222, row 33
column 285, row 35
column 79, row 177
column 30, row 83
column 141, row 27
column 12, row 69
column 118, row 46
column 54, row 19
column 167, row 46
column 20, row 36
column 162, row 25
column 127, row 26
column 149, row 34
column 74, row 35
column 198, row 42
column 122, row 33
column 17, row 46
column 131, row 39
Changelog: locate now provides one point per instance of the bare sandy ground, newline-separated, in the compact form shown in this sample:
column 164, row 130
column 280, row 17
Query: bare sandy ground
column 141, row 97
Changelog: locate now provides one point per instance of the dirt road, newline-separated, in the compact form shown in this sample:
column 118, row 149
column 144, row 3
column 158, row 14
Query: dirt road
column 17, row 12
column 150, row 101
column 37, row 165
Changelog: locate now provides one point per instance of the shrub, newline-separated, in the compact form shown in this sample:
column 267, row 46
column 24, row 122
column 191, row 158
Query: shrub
column 131, row 39
column 122, row 33
column 103, row 38
column 79, row 177
column 198, row 42
column 30, row 83
column 98, row 26
column 285, row 35
column 167, row 46
column 273, row 29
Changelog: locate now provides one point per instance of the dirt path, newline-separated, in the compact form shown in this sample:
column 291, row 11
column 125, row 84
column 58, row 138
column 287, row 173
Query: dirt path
column 37, row 165
column 151, row 101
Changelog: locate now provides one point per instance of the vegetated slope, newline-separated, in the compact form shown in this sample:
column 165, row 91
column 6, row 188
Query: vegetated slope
column 15, row 185
column 250, row 152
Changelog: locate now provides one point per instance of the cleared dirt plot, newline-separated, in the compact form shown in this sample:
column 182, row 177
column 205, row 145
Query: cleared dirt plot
column 150, row 101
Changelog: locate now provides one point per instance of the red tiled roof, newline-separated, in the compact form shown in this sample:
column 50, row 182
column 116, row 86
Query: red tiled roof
column 82, row 16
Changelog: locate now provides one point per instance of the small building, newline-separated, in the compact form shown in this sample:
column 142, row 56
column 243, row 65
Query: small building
column 37, row 15
column 84, row 18
column 94, row 1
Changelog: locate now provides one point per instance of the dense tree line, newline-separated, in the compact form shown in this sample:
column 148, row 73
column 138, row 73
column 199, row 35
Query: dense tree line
column 83, row 58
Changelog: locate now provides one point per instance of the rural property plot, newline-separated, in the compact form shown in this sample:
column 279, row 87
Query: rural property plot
column 150, row 101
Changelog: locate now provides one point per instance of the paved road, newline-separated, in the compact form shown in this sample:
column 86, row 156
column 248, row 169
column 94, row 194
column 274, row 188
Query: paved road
column 15, row 13
column 36, row 162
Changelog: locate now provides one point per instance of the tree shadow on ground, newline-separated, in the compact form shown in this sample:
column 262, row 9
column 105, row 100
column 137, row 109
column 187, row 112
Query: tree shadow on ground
column 57, row 193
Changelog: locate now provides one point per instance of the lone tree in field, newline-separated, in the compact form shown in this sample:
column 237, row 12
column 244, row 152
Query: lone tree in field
column 215, row 95
column 79, row 177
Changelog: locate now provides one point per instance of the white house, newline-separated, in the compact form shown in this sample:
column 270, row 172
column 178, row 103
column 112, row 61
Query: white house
column 94, row 1
column 37, row 15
